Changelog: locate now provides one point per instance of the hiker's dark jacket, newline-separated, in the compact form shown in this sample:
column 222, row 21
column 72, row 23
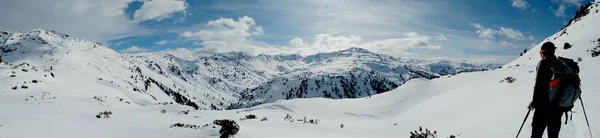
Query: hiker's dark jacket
column 545, row 74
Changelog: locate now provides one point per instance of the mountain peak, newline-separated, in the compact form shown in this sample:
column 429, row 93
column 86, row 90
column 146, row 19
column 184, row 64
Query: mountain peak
column 356, row 50
column 235, row 55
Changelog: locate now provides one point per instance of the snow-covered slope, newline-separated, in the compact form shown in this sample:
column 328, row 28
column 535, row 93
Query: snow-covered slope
column 262, row 79
column 471, row 105
column 214, row 82
column 60, row 84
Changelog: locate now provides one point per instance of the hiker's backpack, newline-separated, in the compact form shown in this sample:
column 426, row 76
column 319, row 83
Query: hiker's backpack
column 565, row 87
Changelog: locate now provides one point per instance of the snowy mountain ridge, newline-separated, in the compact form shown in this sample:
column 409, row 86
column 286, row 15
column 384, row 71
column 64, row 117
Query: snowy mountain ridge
column 222, row 80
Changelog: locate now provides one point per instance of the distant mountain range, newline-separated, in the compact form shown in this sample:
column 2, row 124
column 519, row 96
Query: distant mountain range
column 222, row 81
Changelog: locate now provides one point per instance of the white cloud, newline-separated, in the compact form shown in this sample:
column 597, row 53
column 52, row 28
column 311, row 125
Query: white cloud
column 371, row 20
column 328, row 40
column 403, row 46
column 226, row 35
column 197, row 43
column 560, row 12
column 564, row 4
column 159, row 10
column 489, row 33
column 505, row 43
column 226, row 29
column 134, row 49
column 485, row 32
column 442, row 37
column 411, row 34
column 161, row 42
column 118, row 44
column 521, row 4
column 511, row 45
column 183, row 53
column 297, row 42
column 96, row 20
column 512, row 34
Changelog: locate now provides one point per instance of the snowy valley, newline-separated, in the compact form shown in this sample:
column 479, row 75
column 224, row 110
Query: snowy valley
column 223, row 81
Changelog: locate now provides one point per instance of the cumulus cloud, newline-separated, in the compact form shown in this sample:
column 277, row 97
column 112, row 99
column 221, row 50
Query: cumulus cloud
column 328, row 40
column 161, row 42
column 96, row 20
column 411, row 34
column 159, row 10
column 563, row 5
column 134, row 49
column 183, row 53
column 227, row 34
column 226, row 29
column 507, row 44
column 489, row 33
column 297, row 42
column 420, row 42
column 402, row 46
column 521, row 4
column 512, row 34
column 560, row 12
column 485, row 32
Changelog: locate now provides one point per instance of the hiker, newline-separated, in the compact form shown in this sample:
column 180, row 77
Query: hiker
column 547, row 113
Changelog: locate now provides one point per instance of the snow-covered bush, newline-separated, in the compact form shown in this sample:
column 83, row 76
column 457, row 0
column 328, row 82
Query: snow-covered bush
column 185, row 112
column 105, row 114
column 509, row 79
column 596, row 50
column 263, row 119
column 98, row 98
column 228, row 127
column 163, row 111
column 250, row 116
column 288, row 117
column 310, row 121
column 182, row 125
column 425, row 134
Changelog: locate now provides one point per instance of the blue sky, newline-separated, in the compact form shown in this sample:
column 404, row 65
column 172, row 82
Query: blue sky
column 472, row 30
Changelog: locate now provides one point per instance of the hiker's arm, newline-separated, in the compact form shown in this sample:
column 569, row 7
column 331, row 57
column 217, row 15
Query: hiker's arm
column 542, row 84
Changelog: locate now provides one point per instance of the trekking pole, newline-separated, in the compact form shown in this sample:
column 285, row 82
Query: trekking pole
column 524, row 120
column 586, row 118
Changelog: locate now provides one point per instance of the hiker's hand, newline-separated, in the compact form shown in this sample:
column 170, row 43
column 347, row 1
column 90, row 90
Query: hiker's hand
column 529, row 106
